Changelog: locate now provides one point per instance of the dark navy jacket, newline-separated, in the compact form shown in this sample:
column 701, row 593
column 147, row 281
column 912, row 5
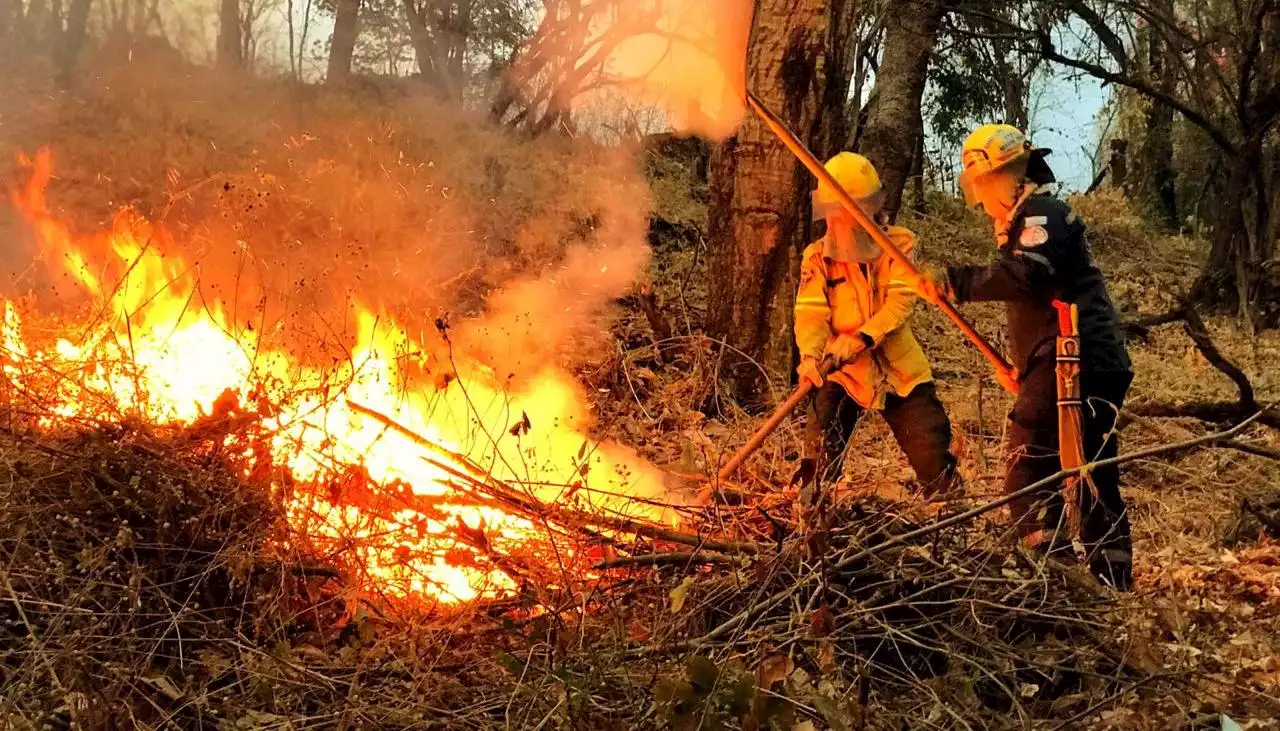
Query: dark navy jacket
column 1047, row 257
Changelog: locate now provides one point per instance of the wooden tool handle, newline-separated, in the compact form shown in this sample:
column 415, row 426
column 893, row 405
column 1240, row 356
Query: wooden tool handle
column 779, row 415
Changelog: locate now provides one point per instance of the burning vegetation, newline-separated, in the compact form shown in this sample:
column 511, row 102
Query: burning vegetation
column 376, row 456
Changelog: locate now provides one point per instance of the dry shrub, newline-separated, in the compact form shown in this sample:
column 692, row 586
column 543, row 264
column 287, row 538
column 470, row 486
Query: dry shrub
column 1115, row 227
column 131, row 565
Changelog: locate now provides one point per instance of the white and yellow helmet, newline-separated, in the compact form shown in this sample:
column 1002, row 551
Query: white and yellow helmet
column 994, row 147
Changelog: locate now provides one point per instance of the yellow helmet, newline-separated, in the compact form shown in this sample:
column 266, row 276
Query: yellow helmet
column 993, row 147
column 859, row 179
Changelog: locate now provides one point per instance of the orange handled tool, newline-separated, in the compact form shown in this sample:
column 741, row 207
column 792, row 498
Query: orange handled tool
column 777, row 417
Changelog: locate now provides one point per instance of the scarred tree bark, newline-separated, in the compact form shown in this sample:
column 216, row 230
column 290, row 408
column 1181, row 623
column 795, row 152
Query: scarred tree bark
column 346, row 28
column 895, row 126
column 799, row 67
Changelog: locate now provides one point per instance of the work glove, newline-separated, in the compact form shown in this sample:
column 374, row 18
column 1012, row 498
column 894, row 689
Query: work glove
column 844, row 348
column 933, row 286
column 810, row 372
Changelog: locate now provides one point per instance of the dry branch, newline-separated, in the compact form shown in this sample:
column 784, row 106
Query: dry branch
column 1208, row 411
column 692, row 558
column 518, row 501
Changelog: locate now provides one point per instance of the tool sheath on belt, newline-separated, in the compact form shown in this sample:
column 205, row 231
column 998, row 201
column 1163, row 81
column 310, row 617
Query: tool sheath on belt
column 1070, row 410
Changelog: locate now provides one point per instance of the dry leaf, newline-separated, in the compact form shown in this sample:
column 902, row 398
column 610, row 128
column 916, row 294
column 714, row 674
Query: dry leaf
column 826, row 656
column 821, row 622
column 774, row 669
column 679, row 593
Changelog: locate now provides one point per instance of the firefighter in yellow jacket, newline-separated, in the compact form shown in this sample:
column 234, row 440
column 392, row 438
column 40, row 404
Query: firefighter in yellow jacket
column 852, row 307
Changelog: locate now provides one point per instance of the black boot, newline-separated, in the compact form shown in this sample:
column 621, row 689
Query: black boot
column 1113, row 567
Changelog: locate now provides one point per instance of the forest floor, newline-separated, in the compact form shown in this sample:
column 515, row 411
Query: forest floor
column 144, row 585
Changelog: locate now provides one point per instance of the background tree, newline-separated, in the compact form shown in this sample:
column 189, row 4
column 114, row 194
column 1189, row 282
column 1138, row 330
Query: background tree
column 230, row 48
column 346, row 28
column 69, row 33
column 799, row 64
column 566, row 57
column 893, row 138
column 1157, row 175
column 1219, row 71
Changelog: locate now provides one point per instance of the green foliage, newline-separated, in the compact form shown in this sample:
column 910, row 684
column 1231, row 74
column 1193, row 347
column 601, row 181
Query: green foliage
column 961, row 92
column 979, row 73
column 709, row 696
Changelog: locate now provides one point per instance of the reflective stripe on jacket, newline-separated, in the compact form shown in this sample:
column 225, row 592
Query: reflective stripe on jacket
column 873, row 299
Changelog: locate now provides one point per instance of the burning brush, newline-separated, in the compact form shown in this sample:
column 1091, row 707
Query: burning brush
column 421, row 487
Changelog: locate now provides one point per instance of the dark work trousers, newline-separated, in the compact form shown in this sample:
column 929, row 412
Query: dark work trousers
column 1033, row 456
column 918, row 421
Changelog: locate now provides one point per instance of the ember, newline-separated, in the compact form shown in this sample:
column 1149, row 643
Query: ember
column 366, row 457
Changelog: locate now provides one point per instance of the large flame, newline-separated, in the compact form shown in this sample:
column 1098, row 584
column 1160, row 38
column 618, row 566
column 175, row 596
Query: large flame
column 151, row 348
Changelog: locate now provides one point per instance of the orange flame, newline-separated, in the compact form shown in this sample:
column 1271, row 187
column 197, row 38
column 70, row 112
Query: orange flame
column 154, row 350
column 690, row 60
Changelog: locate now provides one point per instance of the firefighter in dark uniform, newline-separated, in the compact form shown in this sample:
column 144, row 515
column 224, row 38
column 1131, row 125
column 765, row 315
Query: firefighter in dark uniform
column 1044, row 256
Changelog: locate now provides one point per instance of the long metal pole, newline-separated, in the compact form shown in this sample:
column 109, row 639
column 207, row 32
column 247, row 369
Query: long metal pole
column 811, row 162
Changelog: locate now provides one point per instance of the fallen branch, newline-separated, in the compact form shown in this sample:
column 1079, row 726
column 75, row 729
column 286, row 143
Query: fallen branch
column 1219, row 411
column 1251, row 449
column 1210, row 412
column 692, row 558
column 768, row 603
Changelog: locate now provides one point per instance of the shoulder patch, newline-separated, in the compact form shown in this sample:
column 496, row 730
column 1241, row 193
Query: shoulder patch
column 1033, row 236
column 806, row 276
column 1037, row 220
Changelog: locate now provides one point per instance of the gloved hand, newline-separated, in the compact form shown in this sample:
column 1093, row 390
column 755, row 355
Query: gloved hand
column 933, row 286
column 844, row 348
column 810, row 372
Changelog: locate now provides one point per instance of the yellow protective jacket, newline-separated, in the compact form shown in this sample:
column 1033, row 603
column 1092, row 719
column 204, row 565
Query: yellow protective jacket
column 873, row 298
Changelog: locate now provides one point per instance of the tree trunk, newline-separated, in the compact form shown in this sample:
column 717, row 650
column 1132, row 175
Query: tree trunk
column 894, row 122
column 835, row 132
column 760, row 194
column 70, row 41
column 346, row 28
column 431, row 45
column 1119, row 164
column 1158, row 176
column 10, row 16
column 1235, row 274
column 230, row 52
